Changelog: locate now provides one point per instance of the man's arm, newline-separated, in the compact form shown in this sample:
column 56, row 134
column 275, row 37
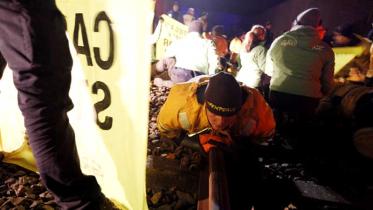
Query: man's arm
column 212, row 57
column 269, row 58
column 168, row 117
column 260, row 57
column 261, row 118
column 168, row 126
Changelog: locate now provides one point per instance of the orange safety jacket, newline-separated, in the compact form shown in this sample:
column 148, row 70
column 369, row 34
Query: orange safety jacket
column 220, row 42
column 185, row 110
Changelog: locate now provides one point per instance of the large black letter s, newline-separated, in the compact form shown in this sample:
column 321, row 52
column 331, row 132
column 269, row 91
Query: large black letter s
column 102, row 105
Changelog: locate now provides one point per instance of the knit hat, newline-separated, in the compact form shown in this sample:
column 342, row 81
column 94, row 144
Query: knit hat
column 218, row 30
column 345, row 30
column 223, row 95
column 204, row 13
column 196, row 26
column 309, row 17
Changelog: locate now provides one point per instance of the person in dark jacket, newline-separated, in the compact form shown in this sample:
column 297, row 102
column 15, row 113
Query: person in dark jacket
column 344, row 36
column 174, row 12
column 34, row 44
column 269, row 34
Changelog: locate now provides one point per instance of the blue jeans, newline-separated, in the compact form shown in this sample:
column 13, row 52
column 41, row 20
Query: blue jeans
column 179, row 75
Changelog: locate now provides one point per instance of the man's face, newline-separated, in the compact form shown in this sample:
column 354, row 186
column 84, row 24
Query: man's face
column 260, row 33
column 175, row 7
column 340, row 39
column 191, row 11
column 220, row 123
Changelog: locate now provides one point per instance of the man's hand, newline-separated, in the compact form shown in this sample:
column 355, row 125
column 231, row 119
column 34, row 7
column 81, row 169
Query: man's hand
column 221, row 139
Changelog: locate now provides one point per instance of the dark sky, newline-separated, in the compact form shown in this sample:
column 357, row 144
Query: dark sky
column 238, row 16
column 239, row 7
column 233, row 14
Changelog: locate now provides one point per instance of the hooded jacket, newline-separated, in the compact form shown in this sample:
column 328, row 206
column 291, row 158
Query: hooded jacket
column 194, row 53
column 185, row 110
column 301, row 63
column 253, row 65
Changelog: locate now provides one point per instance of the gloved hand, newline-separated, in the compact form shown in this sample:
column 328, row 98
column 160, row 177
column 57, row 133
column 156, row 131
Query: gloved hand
column 210, row 140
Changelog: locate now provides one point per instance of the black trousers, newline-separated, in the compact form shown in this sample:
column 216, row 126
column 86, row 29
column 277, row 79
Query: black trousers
column 294, row 115
column 34, row 44
column 247, row 185
column 243, row 175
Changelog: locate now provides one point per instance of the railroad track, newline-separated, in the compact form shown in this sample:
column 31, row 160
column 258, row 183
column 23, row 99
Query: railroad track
column 290, row 181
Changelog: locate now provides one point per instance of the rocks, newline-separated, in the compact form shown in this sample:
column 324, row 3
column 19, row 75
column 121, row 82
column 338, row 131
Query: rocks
column 168, row 198
column 166, row 148
column 158, row 96
column 156, row 198
column 21, row 189
column 285, row 170
column 171, row 198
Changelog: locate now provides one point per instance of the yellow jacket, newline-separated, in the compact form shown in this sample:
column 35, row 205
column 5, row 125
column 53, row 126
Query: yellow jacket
column 184, row 110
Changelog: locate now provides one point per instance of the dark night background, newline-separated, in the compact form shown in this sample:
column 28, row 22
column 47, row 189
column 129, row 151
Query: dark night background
column 239, row 15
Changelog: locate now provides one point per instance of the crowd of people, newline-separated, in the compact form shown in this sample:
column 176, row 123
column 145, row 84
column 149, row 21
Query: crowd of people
column 229, row 50
column 274, row 91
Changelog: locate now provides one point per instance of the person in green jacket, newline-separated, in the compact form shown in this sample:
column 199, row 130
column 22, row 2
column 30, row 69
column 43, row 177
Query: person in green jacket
column 302, row 69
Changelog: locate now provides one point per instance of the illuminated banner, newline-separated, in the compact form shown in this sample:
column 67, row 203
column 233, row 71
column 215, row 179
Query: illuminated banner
column 110, row 79
column 167, row 31
column 344, row 55
column 12, row 131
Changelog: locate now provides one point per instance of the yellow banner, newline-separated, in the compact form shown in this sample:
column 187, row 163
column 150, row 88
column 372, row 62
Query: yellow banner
column 344, row 55
column 12, row 130
column 167, row 31
column 110, row 90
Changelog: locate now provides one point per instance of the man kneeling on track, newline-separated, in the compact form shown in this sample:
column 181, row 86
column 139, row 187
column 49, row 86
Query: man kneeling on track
column 226, row 115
